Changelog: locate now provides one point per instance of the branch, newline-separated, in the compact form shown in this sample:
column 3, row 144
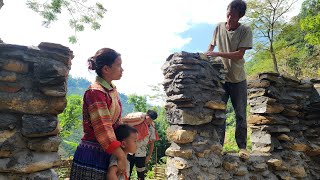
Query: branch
column 77, row 2
column 270, row 3
column 285, row 11
column 260, row 30
column 266, row 18
column 70, row 11
column 279, row 3
column 263, row 36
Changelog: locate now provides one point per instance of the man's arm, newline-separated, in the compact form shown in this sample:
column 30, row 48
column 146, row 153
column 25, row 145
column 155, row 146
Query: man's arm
column 210, row 48
column 236, row 55
column 151, row 147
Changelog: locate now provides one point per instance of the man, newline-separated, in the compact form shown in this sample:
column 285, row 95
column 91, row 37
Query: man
column 147, row 136
column 233, row 39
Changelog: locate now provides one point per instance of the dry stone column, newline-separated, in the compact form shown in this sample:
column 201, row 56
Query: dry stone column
column 194, row 107
column 32, row 94
column 285, row 122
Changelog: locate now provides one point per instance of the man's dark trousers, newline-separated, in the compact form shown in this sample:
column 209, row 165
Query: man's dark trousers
column 238, row 95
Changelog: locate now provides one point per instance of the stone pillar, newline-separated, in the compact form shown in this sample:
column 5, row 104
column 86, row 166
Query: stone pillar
column 285, row 121
column 194, row 109
column 32, row 94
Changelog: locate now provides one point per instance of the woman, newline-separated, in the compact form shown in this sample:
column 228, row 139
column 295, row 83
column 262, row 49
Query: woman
column 101, row 115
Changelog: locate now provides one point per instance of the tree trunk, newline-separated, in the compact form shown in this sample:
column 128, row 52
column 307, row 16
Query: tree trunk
column 274, row 59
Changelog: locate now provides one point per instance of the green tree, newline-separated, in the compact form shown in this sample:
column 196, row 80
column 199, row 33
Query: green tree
column 139, row 102
column 70, row 117
column 260, row 62
column 81, row 13
column 161, row 127
column 310, row 21
column 295, row 55
column 267, row 20
column 309, row 8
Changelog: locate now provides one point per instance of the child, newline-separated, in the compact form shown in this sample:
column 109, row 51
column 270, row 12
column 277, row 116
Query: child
column 128, row 136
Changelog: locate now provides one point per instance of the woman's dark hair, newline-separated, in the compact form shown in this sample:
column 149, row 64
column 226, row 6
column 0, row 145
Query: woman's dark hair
column 123, row 131
column 103, row 57
column 152, row 114
column 239, row 6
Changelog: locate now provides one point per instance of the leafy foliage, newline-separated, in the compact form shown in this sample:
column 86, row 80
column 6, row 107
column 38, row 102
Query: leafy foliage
column 70, row 121
column 161, row 127
column 261, row 62
column 310, row 21
column 77, row 85
column 267, row 20
column 81, row 12
column 296, row 55
column 139, row 102
column 70, row 117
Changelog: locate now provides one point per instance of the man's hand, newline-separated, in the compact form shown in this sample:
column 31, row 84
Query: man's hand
column 211, row 53
column 147, row 159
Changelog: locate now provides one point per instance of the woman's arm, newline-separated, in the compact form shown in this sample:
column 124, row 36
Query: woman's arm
column 112, row 173
column 121, row 158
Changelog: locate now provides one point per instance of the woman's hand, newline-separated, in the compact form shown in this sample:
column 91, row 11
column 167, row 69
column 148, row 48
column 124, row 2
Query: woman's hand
column 122, row 160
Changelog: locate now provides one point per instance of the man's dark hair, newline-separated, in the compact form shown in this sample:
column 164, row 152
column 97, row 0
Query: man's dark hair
column 123, row 131
column 239, row 6
column 152, row 114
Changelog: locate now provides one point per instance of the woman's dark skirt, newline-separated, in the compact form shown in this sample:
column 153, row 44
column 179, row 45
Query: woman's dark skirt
column 89, row 162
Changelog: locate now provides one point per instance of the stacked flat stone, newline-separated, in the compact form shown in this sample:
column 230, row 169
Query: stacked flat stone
column 285, row 122
column 194, row 107
column 32, row 93
column 312, row 120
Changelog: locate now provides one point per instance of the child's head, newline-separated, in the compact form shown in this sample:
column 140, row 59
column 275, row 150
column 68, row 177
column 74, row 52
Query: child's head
column 128, row 136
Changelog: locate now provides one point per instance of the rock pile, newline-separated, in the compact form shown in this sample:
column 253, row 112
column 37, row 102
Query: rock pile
column 32, row 94
column 194, row 107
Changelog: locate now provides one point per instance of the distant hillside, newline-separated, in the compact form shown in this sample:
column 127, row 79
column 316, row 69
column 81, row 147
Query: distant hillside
column 79, row 85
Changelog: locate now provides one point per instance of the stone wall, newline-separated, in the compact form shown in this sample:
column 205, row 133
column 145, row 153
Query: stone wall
column 32, row 94
column 285, row 119
column 195, row 111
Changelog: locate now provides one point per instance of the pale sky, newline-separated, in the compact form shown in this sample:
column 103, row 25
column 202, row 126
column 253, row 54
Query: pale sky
column 145, row 32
